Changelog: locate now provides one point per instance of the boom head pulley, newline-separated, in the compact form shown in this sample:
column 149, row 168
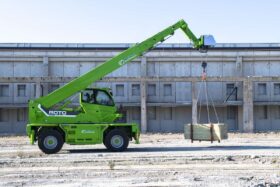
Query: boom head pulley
column 207, row 41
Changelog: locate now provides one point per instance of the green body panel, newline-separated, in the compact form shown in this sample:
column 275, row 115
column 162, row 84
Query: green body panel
column 81, row 134
column 88, row 113
column 91, row 114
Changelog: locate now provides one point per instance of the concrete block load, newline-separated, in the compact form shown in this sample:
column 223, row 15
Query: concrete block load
column 206, row 132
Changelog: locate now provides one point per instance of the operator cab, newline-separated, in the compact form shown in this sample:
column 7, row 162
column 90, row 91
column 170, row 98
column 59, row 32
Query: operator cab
column 97, row 96
column 99, row 105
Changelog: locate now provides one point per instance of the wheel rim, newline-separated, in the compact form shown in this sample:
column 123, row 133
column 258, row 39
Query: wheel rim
column 117, row 141
column 50, row 142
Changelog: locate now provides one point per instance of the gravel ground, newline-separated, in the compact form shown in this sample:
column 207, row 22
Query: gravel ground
column 160, row 160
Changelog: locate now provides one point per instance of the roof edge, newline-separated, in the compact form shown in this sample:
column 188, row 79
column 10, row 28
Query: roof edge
column 109, row 46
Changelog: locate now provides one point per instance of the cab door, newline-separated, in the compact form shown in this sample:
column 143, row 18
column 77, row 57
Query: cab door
column 106, row 105
column 98, row 103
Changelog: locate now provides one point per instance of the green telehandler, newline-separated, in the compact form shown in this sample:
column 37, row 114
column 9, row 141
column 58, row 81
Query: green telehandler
column 52, row 122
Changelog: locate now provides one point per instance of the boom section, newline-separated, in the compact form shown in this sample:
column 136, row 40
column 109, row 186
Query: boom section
column 114, row 63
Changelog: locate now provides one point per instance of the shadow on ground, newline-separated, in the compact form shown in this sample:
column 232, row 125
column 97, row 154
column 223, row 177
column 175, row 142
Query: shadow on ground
column 170, row 149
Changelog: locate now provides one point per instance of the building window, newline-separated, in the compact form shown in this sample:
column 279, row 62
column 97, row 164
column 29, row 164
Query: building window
column 119, row 90
column 21, row 90
column 230, row 88
column 152, row 113
column 54, row 87
column 135, row 114
column 4, row 115
column 21, row 114
column 231, row 113
column 151, row 90
column 4, row 90
column 277, row 116
column 135, row 90
column 167, row 114
column 263, row 112
column 167, row 90
column 276, row 88
column 261, row 88
column 35, row 89
column 151, row 68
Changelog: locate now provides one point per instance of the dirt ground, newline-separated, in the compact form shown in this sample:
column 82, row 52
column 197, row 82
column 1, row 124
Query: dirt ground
column 160, row 160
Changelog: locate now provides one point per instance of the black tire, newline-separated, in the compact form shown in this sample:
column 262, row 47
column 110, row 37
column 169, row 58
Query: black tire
column 116, row 140
column 50, row 141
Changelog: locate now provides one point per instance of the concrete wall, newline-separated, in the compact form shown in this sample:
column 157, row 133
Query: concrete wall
column 168, row 104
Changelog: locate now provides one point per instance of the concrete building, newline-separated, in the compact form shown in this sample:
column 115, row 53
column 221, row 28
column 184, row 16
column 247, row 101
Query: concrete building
column 158, row 90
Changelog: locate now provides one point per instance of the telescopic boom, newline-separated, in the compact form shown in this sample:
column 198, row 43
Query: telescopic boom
column 82, row 82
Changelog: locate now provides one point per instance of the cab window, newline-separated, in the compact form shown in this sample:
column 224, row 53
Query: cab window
column 102, row 98
column 88, row 96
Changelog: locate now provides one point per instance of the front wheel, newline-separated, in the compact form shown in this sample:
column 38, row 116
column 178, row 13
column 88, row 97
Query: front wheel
column 116, row 140
column 50, row 141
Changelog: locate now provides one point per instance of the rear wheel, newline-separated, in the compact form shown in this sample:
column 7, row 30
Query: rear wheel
column 116, row 140
column 50, row 141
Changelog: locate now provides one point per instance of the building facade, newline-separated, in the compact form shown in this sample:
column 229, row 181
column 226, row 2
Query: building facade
column 161, row 90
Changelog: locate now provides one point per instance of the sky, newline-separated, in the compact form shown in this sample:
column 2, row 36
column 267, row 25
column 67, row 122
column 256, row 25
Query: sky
column 132, row 21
